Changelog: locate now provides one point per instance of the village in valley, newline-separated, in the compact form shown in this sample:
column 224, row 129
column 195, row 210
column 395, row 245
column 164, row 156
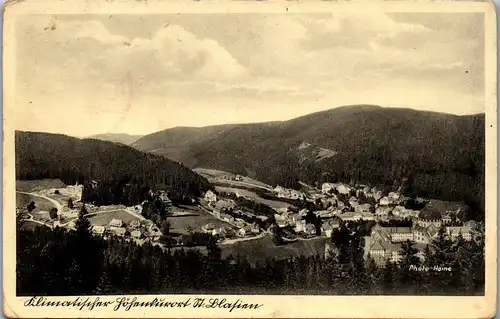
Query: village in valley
column 239, row 209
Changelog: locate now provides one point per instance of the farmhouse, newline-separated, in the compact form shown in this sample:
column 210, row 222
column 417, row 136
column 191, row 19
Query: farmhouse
column 210, row 197
column 116, row 222
column 245, row 231
column 208, row 228
column 219, row 231
column 343, row 189
column 384, row 201
column 330, row 225
column 300, row 226
column 255, row 228
column 326, row 188
column 98, row 230
column 223, row 205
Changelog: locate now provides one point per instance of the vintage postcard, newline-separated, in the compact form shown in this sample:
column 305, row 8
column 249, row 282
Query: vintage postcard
column 241, row 159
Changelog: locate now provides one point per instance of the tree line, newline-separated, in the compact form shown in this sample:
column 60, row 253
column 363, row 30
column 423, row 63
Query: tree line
column 119, row 266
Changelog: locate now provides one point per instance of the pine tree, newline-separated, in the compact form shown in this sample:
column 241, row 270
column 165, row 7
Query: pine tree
column 73, row 279
column 214, row 252
column 83, row 225
column 409, row 260
column 104, row 286
column 372, row 275
column 441, row 249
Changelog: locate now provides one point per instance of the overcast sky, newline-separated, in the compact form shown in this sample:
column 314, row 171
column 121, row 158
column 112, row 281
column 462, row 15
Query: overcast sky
column 83, row 75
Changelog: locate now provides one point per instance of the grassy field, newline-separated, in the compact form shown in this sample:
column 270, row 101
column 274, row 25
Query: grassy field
column 61, row 199
column 180, row 224
column 264, row 248
column 29, row 225
column 251, row 195
column 38, row 185
column 103, row 219
column 22, row 201
column 213, row 173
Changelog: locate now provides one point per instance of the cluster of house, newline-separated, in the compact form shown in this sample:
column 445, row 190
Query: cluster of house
column 384, row 243
column 237, row 178
column 228, row 232
column 282, row 192
column 135, row 229
column 219, row 208
column 382, row 208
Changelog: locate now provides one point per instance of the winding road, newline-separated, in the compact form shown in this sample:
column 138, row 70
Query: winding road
column 56, row 203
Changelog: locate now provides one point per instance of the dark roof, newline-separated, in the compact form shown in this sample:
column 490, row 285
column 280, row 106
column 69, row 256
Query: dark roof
column 429, row 214
column 445, row 206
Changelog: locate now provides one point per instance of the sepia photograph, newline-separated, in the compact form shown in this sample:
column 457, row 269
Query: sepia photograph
column 248, row 150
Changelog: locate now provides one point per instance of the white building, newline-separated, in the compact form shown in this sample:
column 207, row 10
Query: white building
column 454, row 232
column 98, row 230
column 300, row 226
column 116, row 222
column 326, row 188
column 208, row 228
column 343, row 189
column 210, row 197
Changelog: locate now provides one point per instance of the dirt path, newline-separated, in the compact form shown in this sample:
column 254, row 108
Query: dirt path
column 53, row 201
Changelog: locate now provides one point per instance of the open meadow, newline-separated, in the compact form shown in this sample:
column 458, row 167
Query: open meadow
column 218, row 174
column 253, row 196
column 264, row 248
column 103, row 218
column 41, row 204
column 38, row 185
column 258, row 250
column 180, row 224
column 30, row 225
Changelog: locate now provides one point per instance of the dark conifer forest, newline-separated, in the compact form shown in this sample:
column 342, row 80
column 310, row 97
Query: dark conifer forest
column 58, row 262
column 111, row 173
column 438, row 155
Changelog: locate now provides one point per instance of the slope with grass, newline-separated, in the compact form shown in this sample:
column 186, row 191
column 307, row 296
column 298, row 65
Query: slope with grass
column 439, row 155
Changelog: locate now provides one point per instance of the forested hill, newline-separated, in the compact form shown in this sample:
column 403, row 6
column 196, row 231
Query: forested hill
column 120, row 168
column 441, row 155
column 174, row 143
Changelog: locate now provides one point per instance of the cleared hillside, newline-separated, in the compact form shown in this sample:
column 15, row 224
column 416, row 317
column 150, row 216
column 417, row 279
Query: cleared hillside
column 440, row 155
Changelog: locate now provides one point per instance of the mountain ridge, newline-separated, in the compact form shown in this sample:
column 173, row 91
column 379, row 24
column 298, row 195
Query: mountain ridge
column 442, row 155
